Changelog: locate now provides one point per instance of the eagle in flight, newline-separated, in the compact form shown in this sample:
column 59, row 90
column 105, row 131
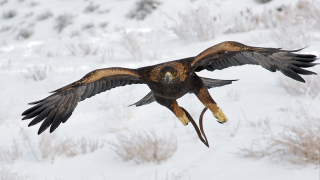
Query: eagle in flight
column 169, row 81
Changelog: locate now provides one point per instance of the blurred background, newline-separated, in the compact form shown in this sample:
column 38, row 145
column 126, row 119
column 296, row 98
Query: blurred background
column 273, row 130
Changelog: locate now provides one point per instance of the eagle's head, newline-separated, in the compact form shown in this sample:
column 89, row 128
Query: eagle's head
column 168, row 74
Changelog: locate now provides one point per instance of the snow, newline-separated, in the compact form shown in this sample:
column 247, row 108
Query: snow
column 256, row 96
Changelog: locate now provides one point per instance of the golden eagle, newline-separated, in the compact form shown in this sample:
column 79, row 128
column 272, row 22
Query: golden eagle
column 169, row 81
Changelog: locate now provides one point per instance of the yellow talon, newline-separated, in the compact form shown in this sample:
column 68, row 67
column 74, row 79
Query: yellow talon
column 220, row 116
column 184, row 119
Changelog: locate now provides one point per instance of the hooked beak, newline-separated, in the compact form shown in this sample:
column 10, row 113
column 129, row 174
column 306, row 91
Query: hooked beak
column 168, row 77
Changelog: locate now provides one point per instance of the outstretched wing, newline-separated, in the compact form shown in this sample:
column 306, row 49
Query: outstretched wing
column 209, row 83
column 59, row 106
column 232, row 53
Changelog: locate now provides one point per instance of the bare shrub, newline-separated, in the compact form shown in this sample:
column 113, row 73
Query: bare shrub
column 104, row 11
column 44, row 16
column 232, row 130
column 86, row 49
column 143, row 9
column 103, row 24
column 91, row 8
column 3, row 117
column 133, row 45
column 87, row 26
column 63, row 21
column 83, row 49
column 244, row 22
column 234, row 94
column 25, row 33
column 5, row 28
column 292, row 24
column 75, row 33
column 185, row 174
column 48, row 147
column 294, row 88
column 9, row 155
column 144, row 146
column 7, row 66
column 38, row 72
column 297, row 144
column 270, row 18
column 9, row 14
column 107, row 55
column 33, row 4
column 309, row 10
column 3, row 2
column 121, row 111
column 262, row 125
column 28, row 143
column 293, row 34
column 199, row 24
column 7, row 174
column 28, row 14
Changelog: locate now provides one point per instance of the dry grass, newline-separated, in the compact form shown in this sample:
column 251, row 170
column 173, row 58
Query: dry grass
column 47, row 147
column 7, row 66
column 290, row 24
column 7, row 174
column 9, row 14
column 232, row 130
column 44, row 16
column 297, row 36
column 311, row 88
column 25, row 33
column 38, row 72
column 244, row 22
column 132, row 43
column 233, row 94
column 144, row 146
column 200, row 24
column 9, row 155
column 87, row 26
column 300, row 18
column 3, row 2
column 3, row 117
column 63, row 21
column 107, row 55
column 50, row 146
column 297, row 144
column 83, row 49
column 5, row 28
column 91, row 8
column 143, row 9
column 103, row 25
column 185, row 174
column 203, row 23
column 309, row 10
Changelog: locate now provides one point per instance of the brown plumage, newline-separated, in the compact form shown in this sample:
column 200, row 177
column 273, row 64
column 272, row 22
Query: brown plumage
column 169, row 81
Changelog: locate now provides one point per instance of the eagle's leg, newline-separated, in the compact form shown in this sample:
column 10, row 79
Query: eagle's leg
column 204, row 96
column 172, row 104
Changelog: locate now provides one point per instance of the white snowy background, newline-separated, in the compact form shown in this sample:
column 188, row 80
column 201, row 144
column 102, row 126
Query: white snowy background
column 35, row 58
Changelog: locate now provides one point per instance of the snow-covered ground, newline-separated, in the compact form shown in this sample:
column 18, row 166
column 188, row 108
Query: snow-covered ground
column 47, row 60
